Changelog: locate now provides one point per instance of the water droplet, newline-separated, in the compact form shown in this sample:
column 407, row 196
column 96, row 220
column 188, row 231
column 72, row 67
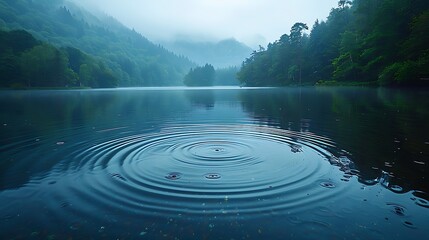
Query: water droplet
column 420, row 198
column 218, row 149
column 397, row 209
column 296, row 148
column 327, row 184
column 173, row 176
column 409, row 224
column 212, row 176
column 422, row 203
column 396, row 188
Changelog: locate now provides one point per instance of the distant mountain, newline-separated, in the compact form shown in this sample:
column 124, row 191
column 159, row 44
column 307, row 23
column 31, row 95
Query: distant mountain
column 133, row 59
column 223, row 54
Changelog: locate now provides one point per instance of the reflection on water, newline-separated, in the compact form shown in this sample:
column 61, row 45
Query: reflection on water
column 384, row 130
column 214, row 163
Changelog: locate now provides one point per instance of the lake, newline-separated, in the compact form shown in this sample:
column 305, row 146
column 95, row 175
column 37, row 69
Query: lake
column 214, row 163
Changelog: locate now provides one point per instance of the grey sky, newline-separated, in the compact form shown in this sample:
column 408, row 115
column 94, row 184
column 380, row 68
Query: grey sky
column 250, row 21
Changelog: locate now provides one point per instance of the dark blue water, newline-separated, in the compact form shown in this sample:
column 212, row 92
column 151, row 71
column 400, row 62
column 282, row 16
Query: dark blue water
column 311, row 163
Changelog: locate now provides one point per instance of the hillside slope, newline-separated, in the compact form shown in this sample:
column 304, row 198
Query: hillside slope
column 134, row 60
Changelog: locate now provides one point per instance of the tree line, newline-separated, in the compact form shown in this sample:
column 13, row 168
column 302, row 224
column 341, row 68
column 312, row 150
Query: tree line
column 362, row 42
column 207, row 75
column 26, row 62
column 131, row 58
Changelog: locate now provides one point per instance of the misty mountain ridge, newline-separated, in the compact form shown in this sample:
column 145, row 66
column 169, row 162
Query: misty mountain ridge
column 222, row 54
column 133, row 59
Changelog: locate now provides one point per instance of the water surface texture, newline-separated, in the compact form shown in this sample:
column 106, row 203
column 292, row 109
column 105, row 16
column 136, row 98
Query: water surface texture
column 221, row 163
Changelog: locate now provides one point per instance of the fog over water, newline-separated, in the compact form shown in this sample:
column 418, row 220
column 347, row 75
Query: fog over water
column 255, row 22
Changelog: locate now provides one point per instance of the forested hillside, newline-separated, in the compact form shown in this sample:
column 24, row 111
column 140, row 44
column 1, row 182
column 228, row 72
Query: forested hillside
column 123, row 53
column 377, row 42
column 26, row 62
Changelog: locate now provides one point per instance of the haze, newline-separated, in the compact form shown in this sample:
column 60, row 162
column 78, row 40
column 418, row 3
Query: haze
column 254, row 22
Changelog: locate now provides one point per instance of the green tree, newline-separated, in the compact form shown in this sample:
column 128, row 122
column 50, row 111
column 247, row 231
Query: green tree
column 200, row 76
column 44, row 66
column 126, row 55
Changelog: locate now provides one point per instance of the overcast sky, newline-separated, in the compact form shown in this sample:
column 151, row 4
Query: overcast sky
column 253, row 22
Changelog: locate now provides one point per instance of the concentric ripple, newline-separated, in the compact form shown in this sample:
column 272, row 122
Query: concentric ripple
column 202, row 170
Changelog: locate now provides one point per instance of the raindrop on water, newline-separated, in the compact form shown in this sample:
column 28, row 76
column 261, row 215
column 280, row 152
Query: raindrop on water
column 422, row 203
column 409, row 224
column 212, row 176
column 173, row 176
column 397, row 209
column 396, row 188
column 327, row 184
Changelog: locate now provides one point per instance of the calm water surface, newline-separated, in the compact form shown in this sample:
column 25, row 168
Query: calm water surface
column 310, row 163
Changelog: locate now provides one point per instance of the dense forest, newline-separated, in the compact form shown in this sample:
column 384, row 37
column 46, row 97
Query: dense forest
column 26, row 62
column 207, row 75
column 362, row 42
column 200, row 76
column 100, row 44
